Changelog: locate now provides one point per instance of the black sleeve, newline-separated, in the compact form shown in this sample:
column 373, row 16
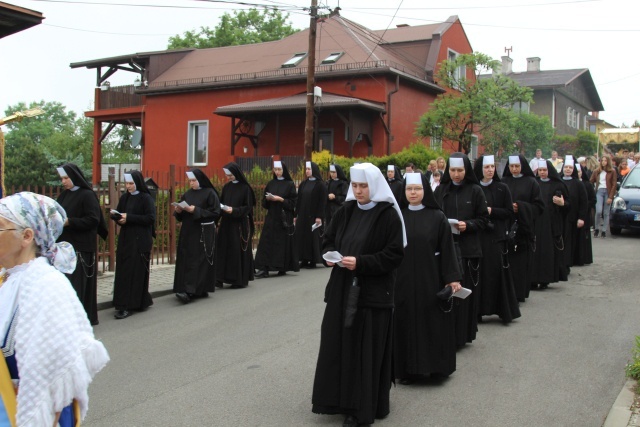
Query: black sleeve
column 389, row 226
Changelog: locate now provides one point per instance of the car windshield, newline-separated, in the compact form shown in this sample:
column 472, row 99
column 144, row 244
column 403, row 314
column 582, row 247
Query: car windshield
column 633, row 179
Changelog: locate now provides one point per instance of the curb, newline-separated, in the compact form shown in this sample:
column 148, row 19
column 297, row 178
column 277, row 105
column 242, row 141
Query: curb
column 104, row 305
column 620, row 412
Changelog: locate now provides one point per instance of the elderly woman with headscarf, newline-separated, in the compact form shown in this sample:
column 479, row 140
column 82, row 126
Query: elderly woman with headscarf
column 234, row 263
column 364, row 245
column 527, row 205
column 498, row 293
column 337, row 188
column 310, row 210
column 136, row 216
column 463, row 202
column 84, row 222
column 195, row 273
column 276, row 250
column 423, row 326
column 50, row 353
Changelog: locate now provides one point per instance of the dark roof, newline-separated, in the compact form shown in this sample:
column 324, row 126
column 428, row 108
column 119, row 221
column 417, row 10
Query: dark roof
column 297, row 102
column 123, row 59
column 14, row 19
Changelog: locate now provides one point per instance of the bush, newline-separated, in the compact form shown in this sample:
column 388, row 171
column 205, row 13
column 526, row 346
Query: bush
column 633, row 367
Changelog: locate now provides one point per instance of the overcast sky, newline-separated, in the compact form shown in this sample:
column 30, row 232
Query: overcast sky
column 601, row 35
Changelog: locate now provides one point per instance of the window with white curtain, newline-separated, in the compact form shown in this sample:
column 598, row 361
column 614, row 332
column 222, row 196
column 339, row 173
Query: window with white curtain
column 198, row 143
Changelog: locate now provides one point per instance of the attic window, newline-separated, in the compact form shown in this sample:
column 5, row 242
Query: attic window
column 332, row 59
column 295, row 60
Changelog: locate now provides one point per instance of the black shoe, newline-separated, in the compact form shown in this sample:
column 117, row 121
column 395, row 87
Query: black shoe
column 596, row 233
column 350, row 421
column 282, row 273
column 534, row 286
column 603, row 235
column 262, row 274
column 406, row 381
column 122, row 314
column 183, row 297
column 219, row 285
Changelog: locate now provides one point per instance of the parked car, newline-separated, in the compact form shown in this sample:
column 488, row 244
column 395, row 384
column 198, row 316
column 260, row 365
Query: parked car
column 625, row 209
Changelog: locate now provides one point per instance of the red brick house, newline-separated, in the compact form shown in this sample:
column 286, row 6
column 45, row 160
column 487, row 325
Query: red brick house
column 205, row 107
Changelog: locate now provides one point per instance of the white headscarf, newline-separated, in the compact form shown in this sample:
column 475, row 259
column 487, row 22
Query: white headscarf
column 379, row 190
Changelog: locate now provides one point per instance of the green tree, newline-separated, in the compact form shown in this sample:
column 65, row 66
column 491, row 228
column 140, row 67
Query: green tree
column 478, row 106
column 243, row 27
column 116, row 148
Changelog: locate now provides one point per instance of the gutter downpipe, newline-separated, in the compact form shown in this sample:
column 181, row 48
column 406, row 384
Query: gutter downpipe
column 388, row 129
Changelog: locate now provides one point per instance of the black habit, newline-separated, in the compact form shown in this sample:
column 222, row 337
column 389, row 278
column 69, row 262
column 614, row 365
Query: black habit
column 312, row 197
column 354, row 369
column 195, row 272
column 133, row 255
column 585, row 251
column 339, row 187
column 574, row 236
column 397, row 186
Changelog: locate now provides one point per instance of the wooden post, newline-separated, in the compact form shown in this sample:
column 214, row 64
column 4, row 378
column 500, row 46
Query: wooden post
column 311, row 71
column 172, row 219
column 113, row 202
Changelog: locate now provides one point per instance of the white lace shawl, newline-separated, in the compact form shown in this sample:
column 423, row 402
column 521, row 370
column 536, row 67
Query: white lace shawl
column 56, row 351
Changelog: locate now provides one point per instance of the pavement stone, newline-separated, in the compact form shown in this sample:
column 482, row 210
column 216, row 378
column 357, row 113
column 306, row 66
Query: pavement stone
column 160, row 283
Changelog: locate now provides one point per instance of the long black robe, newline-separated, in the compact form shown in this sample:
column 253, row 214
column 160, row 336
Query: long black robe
column 195, row 272
column 354, row 370
column 424, row 336
column 234, row 261
column 498, row 290
column 133, row 255
column 574, row 236
column 84, row 215
column 312, row 196
column 525, row 191
column 585, row 251
column 276, row 249
column 549, row 263
column 339, row 189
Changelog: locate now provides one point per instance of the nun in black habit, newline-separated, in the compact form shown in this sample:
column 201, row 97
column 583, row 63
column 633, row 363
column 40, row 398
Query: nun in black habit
column 462, row 199
column 576, row 215
column 195, row 273
column 424, row 337
column 337, row 188
column 396, row 183
column 276, row 250
column 310, row 211
column 136, row 215
column 234, row 262
column 585, row 251
column 84, row 223
column 498, row 292
column 354, row 370
column 549, row 264
column 527, row 206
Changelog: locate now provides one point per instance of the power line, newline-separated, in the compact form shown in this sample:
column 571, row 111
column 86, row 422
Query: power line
column 481, row 7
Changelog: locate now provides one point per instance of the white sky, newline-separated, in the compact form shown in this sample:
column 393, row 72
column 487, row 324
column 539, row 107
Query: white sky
column 601, row 35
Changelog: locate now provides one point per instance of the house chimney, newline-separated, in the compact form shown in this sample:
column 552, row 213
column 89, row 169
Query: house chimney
column 533, row 64
column 507, row 63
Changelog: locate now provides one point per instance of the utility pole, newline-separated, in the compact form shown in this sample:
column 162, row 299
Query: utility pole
column 311, row 71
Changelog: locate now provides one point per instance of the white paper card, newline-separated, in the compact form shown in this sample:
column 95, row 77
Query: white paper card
column 453, row 223
column 224, row 207
column 334, row 257
column 462, row 293
column 182, row 204
column 315, row 226
column 115, row 212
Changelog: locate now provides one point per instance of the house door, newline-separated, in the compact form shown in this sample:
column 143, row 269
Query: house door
column 325, row 140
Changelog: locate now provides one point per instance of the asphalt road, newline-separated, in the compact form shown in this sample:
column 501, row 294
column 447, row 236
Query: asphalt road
column 247, row 357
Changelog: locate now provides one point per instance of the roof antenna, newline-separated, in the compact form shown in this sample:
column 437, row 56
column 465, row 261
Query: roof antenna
column 508, row 50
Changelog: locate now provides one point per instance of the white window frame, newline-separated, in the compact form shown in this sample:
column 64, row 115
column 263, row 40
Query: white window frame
column 461, row 71
column 332, row 59
column 192, row 138
column 294, row 60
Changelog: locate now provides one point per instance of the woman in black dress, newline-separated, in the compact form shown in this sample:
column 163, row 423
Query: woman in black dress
column 354, row 371
column 396, row 183
column 337, row 187
column 574, row 231
column 310, row 210
column 195, row 273
column 234, row 262
column 276, row 251
column 136, row 216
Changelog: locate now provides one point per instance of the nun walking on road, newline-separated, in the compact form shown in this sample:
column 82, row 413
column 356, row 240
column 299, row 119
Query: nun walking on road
column 424, row 337
column 354, row 370
column 234, row 262
column 310, row 209
column 136, row 217
column 195, row 272
column 576, row 214
column 276, row 251
column 337, row 188
column 84, row 223
column 396, row 182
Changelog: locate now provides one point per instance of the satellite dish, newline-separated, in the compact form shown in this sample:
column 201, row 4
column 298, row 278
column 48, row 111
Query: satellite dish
column 136, row 138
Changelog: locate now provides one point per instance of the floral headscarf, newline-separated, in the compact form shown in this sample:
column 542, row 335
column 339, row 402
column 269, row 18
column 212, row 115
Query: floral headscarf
column 46, row 218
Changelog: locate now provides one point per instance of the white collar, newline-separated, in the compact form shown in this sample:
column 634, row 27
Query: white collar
column 367, row 206
column 486, row 184
column 416, row 208
column 545, row 179
column 135, row 193
column 74, row 188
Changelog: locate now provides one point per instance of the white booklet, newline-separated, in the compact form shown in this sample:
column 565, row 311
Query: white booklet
column 334, row 257
column 315, row 225
column 224, row 207
column 462, row 293
column 115, row 212
column 453, row 223
column 182, row 204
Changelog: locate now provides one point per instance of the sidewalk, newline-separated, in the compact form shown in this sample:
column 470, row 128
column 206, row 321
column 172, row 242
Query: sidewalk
column 160, row 283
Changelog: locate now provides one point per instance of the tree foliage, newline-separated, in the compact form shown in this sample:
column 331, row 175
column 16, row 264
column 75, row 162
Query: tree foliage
column 474, row 106
column 243, row 27
column 584, row 143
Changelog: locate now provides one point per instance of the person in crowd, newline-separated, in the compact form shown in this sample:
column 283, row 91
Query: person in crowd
column 310, row 209
column 354, row 369
column 463, row 202
column 615, row 161
column 533, row 163
column 433, row 166
column 195, row 271
column 85, row 221
column 549, row 265
column 556, row 161
column 498, row 292
column 636, row 159
column 436, row 176
column 395, row 181
column 136, row 216
column 604, row 178
column 442, row 164
column 576, row 214
column 623, row 169
column 276, row 248
column 585, row 251
column 409, row 168
column 584, row 167
column 423, row 336
column 631, row 159
column 50, row 353
column 234, row 263
column 527, row 206
column 337, row 187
